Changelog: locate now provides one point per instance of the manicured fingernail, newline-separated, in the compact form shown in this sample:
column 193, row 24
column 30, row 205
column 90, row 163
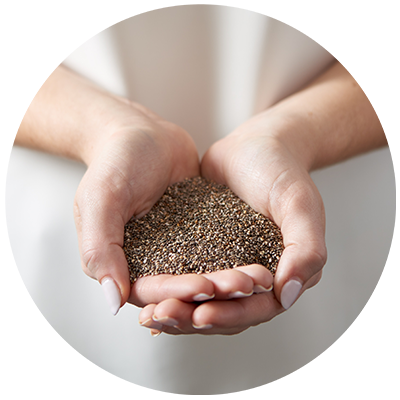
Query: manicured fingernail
column 207, row 326
column 203, row 297
column 290, row 292
column 262, row 289
column 149, row 323
column 239, row 295
column 155, row 333
column 165, row 321
column 112, row 294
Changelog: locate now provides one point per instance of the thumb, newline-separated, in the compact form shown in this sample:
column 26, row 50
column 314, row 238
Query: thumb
column 303, row 230
column 101, row 236
column 111, row 270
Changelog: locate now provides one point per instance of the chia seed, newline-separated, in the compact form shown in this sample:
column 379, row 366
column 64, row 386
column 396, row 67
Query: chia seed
column 199, row 226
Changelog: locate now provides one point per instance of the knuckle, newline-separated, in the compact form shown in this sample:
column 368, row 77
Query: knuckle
column 90, row 260
column 315, row 261
column 87, row 271
column 318, row 257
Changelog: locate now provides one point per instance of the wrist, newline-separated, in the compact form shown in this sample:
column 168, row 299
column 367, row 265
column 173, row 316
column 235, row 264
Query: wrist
column 71, row 117
column 328, row 121
column 296, row 132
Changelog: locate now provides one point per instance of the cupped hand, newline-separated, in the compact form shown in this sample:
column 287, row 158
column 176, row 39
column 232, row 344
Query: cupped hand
column 261, row 163
column 129, row 169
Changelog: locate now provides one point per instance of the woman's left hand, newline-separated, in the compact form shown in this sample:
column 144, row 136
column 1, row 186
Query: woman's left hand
column 270, row 174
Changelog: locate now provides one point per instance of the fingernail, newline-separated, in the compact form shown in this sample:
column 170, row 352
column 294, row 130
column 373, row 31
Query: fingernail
column 239, row 295
column 166, row 321
column 290, row 293
column 262, row 289
column 207, row 326
column 149, row 323
column 112, row 294
column 155, row 333
column 203, row 297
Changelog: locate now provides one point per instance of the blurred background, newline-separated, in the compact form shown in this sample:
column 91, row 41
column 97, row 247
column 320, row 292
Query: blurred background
column 208, row 69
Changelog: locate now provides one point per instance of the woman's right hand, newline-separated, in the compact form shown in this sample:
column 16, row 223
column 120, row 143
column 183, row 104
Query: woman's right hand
column 269, row 173
column 132, row 156
column 130, row 164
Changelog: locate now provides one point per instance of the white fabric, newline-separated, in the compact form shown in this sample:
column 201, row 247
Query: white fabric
column 207, row 69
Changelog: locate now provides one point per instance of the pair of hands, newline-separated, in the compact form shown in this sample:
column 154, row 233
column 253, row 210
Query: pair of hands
column 129, row 169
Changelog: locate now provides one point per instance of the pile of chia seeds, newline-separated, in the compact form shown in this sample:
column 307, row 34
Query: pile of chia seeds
column 199, row 226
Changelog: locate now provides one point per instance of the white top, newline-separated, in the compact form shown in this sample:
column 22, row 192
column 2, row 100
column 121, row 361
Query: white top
column 207, row 69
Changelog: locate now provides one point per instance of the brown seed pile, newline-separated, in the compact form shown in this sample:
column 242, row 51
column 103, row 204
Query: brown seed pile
column 199, row 226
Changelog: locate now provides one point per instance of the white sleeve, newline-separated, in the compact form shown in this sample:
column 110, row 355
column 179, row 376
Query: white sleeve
column 299, row 44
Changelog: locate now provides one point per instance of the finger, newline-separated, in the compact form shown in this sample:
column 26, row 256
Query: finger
column 230, row 284
column 102, row 256
column 217, row 317
column 261, row 276
column 303, row 230
column 154, row 289
column 146, row 318
column 226, row 317
column 237, row 315
column 212, row 163
column 168, row 313
column 146, row 321
column 176, row 317
column 194, row 287
column 175, row 313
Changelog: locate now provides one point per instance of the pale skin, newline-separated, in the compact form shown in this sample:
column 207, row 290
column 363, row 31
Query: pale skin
column 267, row 161
column 133, row 154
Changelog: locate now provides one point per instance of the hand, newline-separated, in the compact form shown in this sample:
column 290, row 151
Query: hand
column 268, row 172
column 130, row 166
column 132, row 155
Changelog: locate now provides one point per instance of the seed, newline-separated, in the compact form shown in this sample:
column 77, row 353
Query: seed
column 199, row 226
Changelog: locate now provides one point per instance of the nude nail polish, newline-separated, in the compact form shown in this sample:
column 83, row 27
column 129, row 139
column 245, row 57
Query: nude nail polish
column 262, row 289
column 290, row 292
column 203, row 297
column 168, row 321
column 239, row 295
column 112, row 294
column 207, row 326
column 149, row 323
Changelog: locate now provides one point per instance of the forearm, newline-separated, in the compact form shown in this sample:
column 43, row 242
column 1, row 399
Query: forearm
column 68, row 116
column 328, row 121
